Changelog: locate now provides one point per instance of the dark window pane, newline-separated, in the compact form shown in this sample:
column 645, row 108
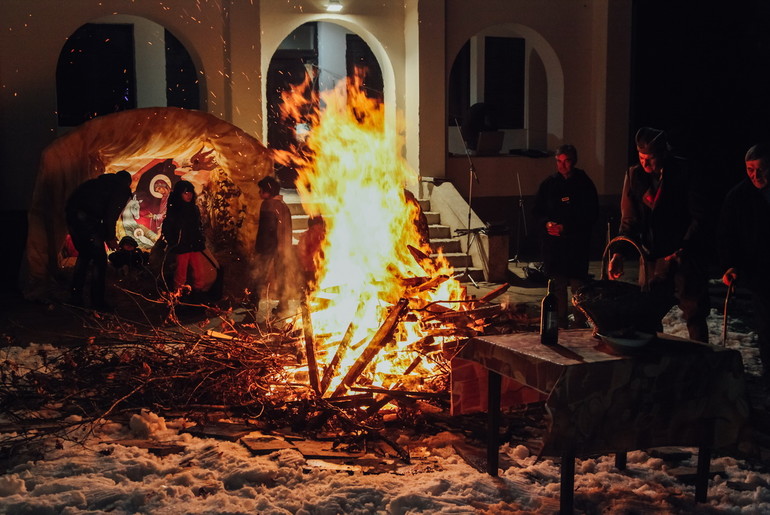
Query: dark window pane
column 504, row 80
column 358, row 54
column 181, row 77
column 95, row 74
column 459, row 93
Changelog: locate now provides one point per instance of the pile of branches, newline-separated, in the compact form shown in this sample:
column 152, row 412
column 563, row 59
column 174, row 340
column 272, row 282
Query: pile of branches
column 119, row 370
column 189, row 371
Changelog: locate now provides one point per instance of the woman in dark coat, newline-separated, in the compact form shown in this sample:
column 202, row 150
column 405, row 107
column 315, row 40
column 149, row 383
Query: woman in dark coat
column 183, row 233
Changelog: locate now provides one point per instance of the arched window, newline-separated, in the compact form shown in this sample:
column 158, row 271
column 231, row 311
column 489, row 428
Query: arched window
column 505, row 79
column 109, row 67
column 329, row 53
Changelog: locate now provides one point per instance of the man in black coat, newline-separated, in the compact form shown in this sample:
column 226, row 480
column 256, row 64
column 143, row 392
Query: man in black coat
column 743, row 242
column 664, row 209
column 566, row 207
column 92, row 213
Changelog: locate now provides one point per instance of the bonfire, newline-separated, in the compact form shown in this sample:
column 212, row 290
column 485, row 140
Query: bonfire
column 378, row 326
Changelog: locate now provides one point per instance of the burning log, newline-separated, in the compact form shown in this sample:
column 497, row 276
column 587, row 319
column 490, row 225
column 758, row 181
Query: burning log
column 334, row 365
column 432, row 283
column 489, row 297
column 417, row 254
column 384, row 333
column 391, row 392
column 472, row 314
column 312, row 364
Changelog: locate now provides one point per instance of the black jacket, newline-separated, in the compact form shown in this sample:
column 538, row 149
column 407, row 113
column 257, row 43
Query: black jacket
column 96, row 205
column 574, row 204
column 743, row 236
column 675, row 218
column 182, row 229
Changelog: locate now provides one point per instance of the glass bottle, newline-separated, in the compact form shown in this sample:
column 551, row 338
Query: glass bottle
column 549, row 318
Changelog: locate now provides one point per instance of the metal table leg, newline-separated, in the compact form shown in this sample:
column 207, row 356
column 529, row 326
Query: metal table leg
column 494, row 381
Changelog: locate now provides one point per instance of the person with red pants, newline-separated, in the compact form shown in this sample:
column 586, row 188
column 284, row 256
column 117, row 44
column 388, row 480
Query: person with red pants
column 183, row 233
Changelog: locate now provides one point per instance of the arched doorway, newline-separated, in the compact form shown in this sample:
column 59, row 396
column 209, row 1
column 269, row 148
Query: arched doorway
column 123, row 62
column 506, row 78
column 327, row 53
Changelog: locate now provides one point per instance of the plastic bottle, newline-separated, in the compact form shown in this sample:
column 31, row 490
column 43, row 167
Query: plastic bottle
column 549, row 318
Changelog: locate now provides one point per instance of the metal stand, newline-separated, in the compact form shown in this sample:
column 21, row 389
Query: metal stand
column 522, row 219
column 470, row 233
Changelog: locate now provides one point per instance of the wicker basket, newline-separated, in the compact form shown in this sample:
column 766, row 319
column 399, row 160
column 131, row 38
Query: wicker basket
column 619, row 308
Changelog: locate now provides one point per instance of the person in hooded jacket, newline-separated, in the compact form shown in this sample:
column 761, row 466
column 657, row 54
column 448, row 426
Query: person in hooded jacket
column 183, row 233
column 276, row 269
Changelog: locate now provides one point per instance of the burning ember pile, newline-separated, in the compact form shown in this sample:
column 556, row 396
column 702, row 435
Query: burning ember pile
column 382, row 307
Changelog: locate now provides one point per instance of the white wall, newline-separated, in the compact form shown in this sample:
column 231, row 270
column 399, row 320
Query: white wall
column 415, row 42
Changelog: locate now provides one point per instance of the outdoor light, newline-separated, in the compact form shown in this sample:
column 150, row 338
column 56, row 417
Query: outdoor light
column 334, row 6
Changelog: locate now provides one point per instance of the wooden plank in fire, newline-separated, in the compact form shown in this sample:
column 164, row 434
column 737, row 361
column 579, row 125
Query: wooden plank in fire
column 312, row 364
column 489, row 297
column 475, row 314
column 342, row 349
column 431, row 284
column 381, row 337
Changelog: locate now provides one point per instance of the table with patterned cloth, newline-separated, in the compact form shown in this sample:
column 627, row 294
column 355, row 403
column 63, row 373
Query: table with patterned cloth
column 672, row 391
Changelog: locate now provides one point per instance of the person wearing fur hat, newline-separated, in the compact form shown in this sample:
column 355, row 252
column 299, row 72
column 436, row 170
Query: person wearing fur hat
column 665, row 211
column 743, row 242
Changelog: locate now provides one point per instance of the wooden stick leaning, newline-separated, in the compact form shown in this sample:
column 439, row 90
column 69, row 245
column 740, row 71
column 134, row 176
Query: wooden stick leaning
column 381, row 337
column 312, row 364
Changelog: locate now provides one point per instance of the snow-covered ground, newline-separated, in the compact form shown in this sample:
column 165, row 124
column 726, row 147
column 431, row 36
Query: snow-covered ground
column 221, row 477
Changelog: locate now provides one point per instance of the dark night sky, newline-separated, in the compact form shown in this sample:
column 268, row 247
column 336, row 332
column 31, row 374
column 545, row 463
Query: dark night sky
column 699, row 72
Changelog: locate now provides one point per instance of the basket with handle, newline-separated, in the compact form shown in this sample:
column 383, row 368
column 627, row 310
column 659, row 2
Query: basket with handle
column 620, row 308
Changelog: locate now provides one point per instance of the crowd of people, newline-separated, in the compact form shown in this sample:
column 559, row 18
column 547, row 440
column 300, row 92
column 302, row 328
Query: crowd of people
column 665, row 214
column 280, row 270
column 663, row 210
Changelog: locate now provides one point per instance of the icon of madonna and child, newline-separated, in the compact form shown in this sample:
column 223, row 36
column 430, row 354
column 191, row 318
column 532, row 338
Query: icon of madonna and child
column 144, row 213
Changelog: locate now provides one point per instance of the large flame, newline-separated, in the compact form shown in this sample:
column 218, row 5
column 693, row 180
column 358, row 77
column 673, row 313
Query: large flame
column 351, row 172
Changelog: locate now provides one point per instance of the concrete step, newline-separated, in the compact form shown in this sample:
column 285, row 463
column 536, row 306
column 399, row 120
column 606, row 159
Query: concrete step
column 433, row 217
column 299, row 222
column 439, row 232
column 296, row 208
column 476, row 273
column 458, row 260
column 446, row 245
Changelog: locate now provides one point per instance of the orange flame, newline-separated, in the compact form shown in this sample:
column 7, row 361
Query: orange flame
column 352, row 173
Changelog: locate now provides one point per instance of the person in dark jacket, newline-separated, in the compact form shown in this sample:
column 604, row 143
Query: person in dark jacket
column 664, row 210
column 183, row 233
column 276, row 269
column 128, row 257
column 92, row 213
column 743, row 242
column 566, row 207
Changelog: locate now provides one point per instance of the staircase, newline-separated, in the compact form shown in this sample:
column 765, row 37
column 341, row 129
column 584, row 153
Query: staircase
column 441, row 236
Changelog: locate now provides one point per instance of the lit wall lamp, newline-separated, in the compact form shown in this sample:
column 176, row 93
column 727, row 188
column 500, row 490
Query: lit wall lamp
column 334, row 6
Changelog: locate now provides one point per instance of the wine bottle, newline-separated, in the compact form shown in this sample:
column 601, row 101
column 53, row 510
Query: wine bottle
column 549, row 318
